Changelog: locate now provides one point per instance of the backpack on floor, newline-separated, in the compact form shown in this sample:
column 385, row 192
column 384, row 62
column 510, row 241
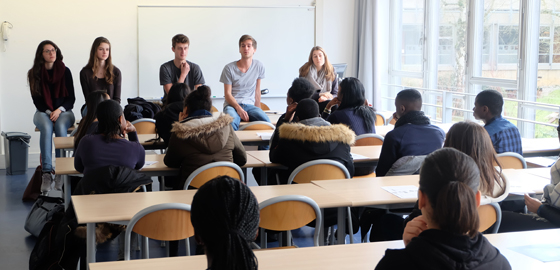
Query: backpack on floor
column 42, row 211
column 45, row 253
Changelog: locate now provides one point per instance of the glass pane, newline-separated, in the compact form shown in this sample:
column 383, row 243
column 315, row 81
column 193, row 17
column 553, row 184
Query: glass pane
column 412, row 35
column 501, row 39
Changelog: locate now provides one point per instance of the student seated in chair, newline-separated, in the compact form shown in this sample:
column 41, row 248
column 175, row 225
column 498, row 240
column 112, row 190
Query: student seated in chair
column 171, row 109
column 446, row 235
column 413, row 134
column 312, row 138
column 505, row 135
column 242, row 85
column 225, row 218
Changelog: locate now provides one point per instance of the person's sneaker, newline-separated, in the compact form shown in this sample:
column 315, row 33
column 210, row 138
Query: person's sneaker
column 58, row 182
column 47, row 182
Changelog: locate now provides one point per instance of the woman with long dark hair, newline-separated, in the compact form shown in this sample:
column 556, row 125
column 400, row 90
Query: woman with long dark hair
column 100, row 73
column 171, row 109
column 225, row 217
column 88, row 124
column 52, row 90
column 109, row 145
column 446, row 235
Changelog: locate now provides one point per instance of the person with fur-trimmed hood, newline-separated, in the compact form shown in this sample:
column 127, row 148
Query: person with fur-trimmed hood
column 312, row 138
column 200, row 138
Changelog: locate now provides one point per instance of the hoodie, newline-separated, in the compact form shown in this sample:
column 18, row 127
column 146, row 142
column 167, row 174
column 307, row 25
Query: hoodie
column 437, row 249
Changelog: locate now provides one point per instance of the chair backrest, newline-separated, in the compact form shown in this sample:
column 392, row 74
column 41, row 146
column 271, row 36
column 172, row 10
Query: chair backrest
column 290, row 212
column 379, row 120
column 211, row 170
column 510, row 160
column 166, row 222
column 264, row 107
column 257, row 125
column 489, row 214
column 369, row 139
column 213, row 109
column 145, row 126
column 392, row 120
column 320, row 169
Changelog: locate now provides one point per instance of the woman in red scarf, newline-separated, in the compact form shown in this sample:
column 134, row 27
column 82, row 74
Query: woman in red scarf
column 52, row 90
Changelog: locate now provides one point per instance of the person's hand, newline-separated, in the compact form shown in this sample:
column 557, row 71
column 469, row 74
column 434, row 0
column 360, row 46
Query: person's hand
column 395, row 117
column 54, row 115
column 414, row 228
column 129, row 128
column 333, row 102
column 182, row 116
column 290, row 111
column 185, row 68
column 532, row 204
column 243, row 114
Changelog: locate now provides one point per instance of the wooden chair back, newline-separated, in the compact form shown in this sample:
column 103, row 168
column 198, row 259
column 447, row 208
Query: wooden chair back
column 145, row 127
column 264, row 107
column 211, row 173
column 368, row 140
column 286, row 215
column 379, row 120
column 165, row 225
column 487, row 217
column 257, row 125
column 213, row 109
column 511, row 161
column 319, row 172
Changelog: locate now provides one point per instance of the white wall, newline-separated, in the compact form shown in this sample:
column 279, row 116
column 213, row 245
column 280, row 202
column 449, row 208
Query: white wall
column 73, row 25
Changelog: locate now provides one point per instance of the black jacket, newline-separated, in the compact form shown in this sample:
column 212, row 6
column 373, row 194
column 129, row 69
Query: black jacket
column 436, row 249
column 313, row 139
column 551, row 213
column 165, row 118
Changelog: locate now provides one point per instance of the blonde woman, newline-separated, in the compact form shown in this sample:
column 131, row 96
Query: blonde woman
column 319, row 71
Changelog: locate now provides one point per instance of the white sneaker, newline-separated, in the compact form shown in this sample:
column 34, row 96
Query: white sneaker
column 47, row 182
column 58, row 182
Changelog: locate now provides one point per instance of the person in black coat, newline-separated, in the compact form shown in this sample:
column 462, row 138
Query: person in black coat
column 446, row 235
column 171, row 109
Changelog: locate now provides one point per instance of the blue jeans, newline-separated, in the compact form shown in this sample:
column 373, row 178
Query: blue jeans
column 255, row 114
column 60, row 128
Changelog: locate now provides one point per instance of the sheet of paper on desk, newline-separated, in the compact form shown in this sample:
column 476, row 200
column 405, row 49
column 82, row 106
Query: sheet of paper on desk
column 529, row 185
column 543, row 253
column 264, row 136
column 358, row 156
column 148, row 163
column 403, row 192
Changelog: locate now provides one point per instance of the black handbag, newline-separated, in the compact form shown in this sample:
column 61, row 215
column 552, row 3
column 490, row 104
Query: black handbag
column 41, row 212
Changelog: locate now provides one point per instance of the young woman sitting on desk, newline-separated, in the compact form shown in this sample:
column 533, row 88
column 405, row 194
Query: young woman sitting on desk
column 52, row 90
column 319, row 71
column 446, row 235
column 109, row 145
column 100, row 73
column 88, row 124
column 225, row 217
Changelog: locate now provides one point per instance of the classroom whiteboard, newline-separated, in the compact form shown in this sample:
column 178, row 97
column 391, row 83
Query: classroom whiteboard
column 285, row 36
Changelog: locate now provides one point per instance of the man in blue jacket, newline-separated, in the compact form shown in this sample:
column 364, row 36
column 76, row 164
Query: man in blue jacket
column 505, row 135
column 413, row 134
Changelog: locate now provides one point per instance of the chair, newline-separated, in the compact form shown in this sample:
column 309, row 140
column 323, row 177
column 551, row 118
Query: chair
column 490, row 216
column 510, row 160
column 369, row 139
column 264, row 107
column 321, row 169
column 145, row 126
column 289, row 212
column 392, row 120
column 166, row 222
column 257, row 125
column 379, row 120
column 213, row 109
column 211, row 170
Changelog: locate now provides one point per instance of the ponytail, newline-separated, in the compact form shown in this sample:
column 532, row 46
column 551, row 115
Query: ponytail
column 453, row 211
column 199, row 99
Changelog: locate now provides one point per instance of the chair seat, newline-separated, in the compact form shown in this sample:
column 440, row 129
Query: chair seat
column 365, row 176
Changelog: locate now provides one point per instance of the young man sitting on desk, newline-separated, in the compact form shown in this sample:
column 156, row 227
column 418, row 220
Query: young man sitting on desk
column 505, row 135
column 413, row 136
column 179, row 70
column 242, row 85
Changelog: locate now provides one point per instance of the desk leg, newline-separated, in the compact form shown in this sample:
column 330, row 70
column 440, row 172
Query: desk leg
column 67, row 191
column 90, row 244
column 341, row 235
column 264, row 177
column 244, row 170
column 321, row 227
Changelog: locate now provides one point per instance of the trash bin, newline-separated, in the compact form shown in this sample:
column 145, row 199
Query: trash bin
column 16, row 146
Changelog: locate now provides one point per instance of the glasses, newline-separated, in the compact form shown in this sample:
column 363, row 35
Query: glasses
column 49, row 51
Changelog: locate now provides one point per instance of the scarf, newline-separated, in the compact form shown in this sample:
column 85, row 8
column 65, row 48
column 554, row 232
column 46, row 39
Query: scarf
column 318, row 80
column 413, row 117
column 57, row 83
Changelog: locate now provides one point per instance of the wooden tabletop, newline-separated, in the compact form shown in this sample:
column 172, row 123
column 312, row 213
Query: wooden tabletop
column 370, row 152
column 542, row 147
column 356, row 256
column 68, row 142
column 65, row 166
column 527, row 180
column 94, row 208
column 252, row 135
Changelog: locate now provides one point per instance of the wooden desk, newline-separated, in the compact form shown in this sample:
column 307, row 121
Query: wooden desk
column 383, row 130
column 357, row 256
column 251, row 137
column 92, row 209
column 540, row 147
column 67, row 143
column 527, row 180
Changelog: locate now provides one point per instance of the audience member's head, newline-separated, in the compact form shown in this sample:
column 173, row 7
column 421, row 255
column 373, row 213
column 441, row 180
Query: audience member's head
column 307, row 108
column 92, row 101
column 473, row 140
column 301, row 88
column 408, row 100
column 225, row 217
column 351, row 94
column 200, row 99
column 448, row 192
column 177, row 92
column 111, row 119
column 488, row 103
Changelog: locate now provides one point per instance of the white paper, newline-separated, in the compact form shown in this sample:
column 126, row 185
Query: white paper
column 265, row 136
column 403, row 192
column 148, row 163
column 358, row 156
